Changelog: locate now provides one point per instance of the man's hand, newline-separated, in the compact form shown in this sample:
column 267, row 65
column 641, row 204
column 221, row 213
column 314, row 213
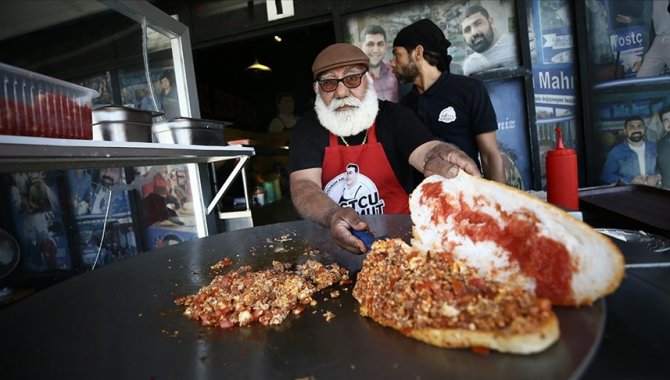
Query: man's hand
column 654, row 180
column 340, row 222
column 313, row 204
column 445, row 159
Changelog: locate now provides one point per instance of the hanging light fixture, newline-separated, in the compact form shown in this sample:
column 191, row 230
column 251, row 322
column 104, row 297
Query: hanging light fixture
column 258, row 66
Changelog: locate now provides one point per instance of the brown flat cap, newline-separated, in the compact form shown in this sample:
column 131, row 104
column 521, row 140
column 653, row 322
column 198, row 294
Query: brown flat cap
column 338, row 55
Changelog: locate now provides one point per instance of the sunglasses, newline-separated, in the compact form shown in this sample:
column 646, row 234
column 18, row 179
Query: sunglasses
column 350, row 81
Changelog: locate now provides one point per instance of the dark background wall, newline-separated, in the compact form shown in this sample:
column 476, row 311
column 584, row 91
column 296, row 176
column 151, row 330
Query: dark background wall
column 222, row 70
column 226, row 36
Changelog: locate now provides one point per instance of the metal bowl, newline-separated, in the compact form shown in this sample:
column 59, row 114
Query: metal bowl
column 122, row 131
column 124, row 114
column 188, row 131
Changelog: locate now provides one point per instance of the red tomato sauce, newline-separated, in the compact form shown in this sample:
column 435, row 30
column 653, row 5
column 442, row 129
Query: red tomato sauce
column 544, row 259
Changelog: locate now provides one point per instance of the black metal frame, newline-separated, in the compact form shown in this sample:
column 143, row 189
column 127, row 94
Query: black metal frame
column 584, row 83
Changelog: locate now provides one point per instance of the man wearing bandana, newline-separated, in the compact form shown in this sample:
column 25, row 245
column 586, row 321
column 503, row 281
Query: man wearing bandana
column 457, row 109
column 634, row 160
column 350, row 125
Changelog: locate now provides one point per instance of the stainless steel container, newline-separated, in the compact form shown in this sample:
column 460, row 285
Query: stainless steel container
column 118, row 123
column 120, row 113
column 122, row 131
column 182, row 130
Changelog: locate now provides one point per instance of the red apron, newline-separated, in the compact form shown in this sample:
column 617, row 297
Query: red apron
column 361, row 177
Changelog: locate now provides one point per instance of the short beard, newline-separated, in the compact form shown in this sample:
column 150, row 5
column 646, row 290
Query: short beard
column 409, row 73
column 351, row 121
column 107, row 181
column 485, row 44
column 636, row 137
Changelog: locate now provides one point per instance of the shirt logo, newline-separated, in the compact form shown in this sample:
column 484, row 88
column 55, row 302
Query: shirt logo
column 447, row 115
column 354, row 189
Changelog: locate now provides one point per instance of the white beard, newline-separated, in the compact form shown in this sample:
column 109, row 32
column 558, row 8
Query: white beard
column 351, row 121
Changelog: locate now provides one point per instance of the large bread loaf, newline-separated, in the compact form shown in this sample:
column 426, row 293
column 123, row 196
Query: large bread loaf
column 512, row 237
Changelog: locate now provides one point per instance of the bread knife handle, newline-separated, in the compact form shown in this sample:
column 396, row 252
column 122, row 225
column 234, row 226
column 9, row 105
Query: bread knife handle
column 367, row 237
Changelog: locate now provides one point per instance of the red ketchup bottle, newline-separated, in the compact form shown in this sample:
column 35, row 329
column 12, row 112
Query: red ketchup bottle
column 562, row 182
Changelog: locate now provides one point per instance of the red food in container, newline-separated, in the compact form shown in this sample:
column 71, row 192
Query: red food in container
column 33, row 104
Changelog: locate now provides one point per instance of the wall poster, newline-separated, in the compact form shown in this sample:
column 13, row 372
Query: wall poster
column 135, row 93
column 474, row 49
column 552, row 54
column 101, row 208
column 629, row 45
column 628, row 38
column 509, row 102
column 615, row 114
column 39, row 221
column 101, row 83
column 166, row 209
column 483, row 37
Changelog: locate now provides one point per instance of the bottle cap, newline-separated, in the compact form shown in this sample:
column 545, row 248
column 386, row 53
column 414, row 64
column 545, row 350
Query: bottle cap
column 560, row 150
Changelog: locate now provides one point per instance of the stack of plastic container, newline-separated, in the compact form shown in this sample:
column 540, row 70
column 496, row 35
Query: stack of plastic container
column 37, row 105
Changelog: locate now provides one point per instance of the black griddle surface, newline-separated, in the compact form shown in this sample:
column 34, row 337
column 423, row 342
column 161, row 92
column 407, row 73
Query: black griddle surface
column 120, row 322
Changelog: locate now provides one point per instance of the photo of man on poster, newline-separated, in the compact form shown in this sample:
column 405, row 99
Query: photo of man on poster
column 374, row 44
column 35, row 210
column 490, row 48
column 633, row 161
column 101, row 191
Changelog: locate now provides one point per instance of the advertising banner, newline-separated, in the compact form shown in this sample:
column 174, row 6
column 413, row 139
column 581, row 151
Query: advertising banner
column 102, row 214
column 553, row 63
column 39, row 222
column 509, row 102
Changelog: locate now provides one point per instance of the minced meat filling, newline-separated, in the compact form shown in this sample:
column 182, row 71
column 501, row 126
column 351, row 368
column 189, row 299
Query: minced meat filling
column 411, row 289
column 243, row 296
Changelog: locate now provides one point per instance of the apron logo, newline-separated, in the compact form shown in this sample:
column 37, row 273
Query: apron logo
column 447, row 115
column 354, row 189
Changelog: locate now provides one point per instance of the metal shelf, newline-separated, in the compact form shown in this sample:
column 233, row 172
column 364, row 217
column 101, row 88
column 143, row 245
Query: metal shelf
column 21, row 153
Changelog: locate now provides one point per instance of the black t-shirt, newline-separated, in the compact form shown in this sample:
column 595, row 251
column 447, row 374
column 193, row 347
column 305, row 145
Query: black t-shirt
column 455, row 108
column 398, row 130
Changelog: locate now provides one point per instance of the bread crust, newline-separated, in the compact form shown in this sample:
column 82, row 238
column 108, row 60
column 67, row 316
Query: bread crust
column 592, row 266
column 539, row 339
column 434, row 299
column 543, row 336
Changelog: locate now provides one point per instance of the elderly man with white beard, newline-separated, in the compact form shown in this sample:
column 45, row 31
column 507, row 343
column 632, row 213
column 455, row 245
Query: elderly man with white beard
column 349, row 125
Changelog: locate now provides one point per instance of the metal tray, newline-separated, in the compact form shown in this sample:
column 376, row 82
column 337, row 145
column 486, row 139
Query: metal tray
column 120, row 322
column 652, row 242
column 189, row 131
column 122, row 131
column 123, row 114
column 633, row 206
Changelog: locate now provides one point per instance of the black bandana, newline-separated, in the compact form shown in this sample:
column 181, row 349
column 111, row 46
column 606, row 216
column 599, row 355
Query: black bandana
column 427, row 34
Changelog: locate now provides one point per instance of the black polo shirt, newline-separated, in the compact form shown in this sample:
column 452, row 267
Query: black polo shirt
column 455, row 108
column 398, row 130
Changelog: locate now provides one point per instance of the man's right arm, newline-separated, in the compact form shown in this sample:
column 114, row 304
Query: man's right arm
column 438, row 157
column 310, row 201
column 315, row 205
